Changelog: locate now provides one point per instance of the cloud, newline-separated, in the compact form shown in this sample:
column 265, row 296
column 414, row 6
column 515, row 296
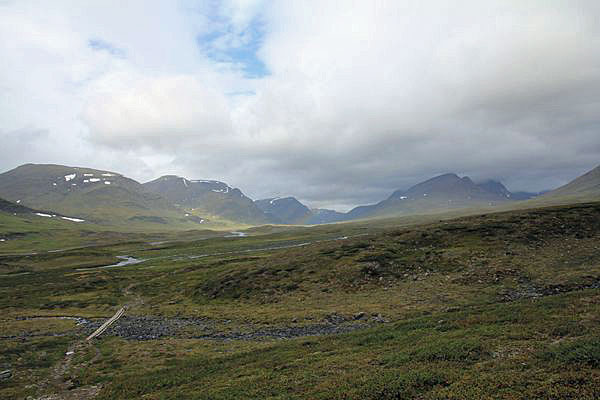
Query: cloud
column 336, row 103
column 13, row 143
column 173, row 112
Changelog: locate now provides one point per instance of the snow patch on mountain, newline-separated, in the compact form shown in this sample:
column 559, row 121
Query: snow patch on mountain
column 73, row 219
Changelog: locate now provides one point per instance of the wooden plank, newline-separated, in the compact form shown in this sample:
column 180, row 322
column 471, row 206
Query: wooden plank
column 105, row 325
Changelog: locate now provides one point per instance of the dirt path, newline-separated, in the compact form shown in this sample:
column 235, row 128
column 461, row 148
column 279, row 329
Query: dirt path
column 59, row 385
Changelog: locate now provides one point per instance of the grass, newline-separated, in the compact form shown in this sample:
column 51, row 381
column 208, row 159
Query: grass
column 582, row 351
column 496, row 306
column 402, row 360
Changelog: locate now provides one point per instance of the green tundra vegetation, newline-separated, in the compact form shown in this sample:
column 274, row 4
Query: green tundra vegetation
column 499, row 305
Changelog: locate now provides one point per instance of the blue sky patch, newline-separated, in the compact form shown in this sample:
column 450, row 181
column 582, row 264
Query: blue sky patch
column 225, row 45
column 102, row 45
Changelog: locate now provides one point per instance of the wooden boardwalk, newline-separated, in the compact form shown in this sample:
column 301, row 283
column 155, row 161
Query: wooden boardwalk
column 105, row 325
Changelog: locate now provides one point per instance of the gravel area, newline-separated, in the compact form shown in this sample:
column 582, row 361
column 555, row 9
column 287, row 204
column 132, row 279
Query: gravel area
column 148, row 328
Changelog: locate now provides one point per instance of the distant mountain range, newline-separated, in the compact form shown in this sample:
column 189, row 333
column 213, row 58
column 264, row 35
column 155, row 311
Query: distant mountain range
column 97, row 196
column 443, row 192
column 109, row 198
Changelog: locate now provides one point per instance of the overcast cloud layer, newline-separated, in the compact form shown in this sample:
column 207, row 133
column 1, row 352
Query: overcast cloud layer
column 337, row 103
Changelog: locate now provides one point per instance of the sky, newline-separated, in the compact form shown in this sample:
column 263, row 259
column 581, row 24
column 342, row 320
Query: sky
column 338, row 103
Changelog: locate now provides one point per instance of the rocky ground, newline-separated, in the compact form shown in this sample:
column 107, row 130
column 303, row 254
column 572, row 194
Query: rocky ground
column 148, row 328
column 134, row 327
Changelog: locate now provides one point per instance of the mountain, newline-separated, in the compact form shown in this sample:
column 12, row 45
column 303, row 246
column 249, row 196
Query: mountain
column 108, row 198
column 585, row 187
column 450, row 187
column 443, row 192
column 324, row 216
column 208, row 197
column 496, row 187
column 98, row 196
column 286, row 210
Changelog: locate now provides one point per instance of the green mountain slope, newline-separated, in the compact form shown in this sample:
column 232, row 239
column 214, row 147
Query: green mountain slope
column 100, row 197
column 585, row 187
column 208, row 197
column 286, row 210
column 13, row 208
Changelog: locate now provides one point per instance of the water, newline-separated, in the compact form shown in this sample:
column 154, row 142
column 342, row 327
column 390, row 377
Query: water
column 236, row 234
column 127, row 260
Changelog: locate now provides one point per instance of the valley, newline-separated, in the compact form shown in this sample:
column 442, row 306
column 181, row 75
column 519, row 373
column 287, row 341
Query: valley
column 455, row 308
column 108, row 201
column 299, row 200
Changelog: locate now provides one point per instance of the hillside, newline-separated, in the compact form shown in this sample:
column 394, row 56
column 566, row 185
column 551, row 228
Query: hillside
column 285, row 210
column 101, row 197
column 495, row 187
column 207, row 197
column 585, row 187
column 14, row 208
